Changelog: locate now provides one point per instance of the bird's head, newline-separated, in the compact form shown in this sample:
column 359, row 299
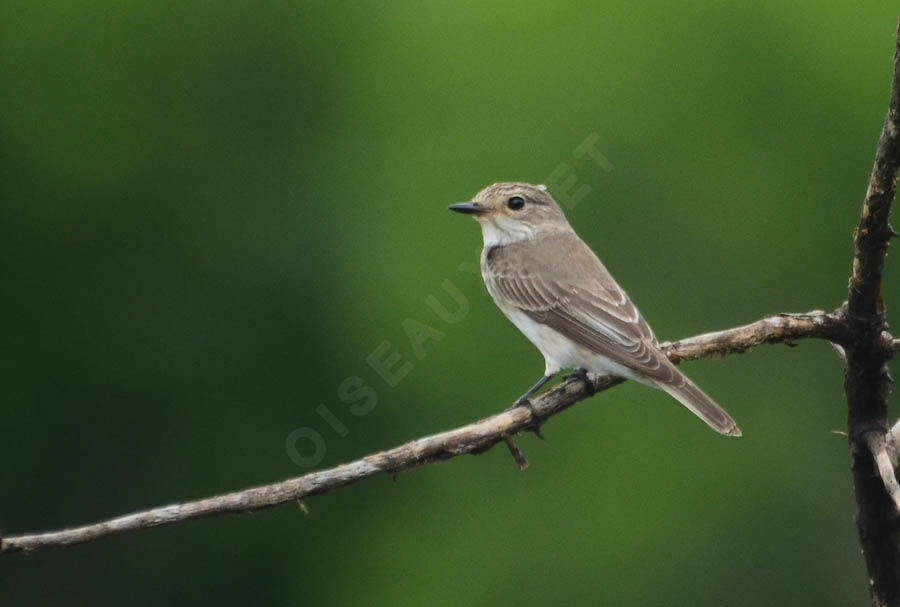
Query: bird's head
column 511, row 212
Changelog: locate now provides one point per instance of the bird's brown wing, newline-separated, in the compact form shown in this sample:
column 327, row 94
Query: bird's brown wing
column 565, row 287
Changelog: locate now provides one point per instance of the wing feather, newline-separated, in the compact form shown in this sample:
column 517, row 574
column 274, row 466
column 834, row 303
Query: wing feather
column 591, row 310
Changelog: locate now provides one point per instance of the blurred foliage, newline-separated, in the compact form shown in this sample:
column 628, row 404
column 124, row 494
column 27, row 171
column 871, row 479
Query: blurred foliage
column 214, row 212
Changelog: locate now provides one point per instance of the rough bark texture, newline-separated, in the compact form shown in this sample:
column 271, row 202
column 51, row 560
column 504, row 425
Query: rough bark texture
column 473, row 438
column 867, row 383
column 772, row 329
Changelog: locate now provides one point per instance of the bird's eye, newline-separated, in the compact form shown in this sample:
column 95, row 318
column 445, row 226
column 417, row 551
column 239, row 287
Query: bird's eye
column 515, row 203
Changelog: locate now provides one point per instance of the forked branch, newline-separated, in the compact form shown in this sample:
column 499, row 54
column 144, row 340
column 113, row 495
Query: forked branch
column 867, row 383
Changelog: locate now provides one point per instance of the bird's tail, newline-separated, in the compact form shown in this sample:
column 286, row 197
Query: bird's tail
column 692, row 397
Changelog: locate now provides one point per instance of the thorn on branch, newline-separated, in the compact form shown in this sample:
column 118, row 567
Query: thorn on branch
column 536, row 427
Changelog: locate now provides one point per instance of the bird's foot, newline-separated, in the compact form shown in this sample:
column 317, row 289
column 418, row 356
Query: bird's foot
column 580, row 373
column 524, row 401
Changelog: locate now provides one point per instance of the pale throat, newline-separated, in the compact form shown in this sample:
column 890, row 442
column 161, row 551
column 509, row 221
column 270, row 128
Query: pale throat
column 501, row 231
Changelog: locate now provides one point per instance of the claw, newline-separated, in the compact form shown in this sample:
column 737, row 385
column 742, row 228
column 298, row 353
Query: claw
column 580, row 373
column 526, row 402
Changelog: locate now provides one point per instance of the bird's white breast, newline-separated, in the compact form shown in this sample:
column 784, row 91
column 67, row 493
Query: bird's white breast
column 559, row 351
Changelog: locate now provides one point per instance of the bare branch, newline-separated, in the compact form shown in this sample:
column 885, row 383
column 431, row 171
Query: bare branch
column 867, row 383
column 840, row 352
column 781, row 328
column 890, row 344
column 894, row 444
column 878, row 447
column 474, row 438
column 516, row 452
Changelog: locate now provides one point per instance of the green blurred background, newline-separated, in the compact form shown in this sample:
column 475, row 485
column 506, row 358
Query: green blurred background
column 212, row 214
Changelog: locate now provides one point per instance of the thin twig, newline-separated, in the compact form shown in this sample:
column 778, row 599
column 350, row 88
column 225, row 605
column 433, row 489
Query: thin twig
column 780, row 328
column 841, row 353
column 516, row 452
column 891, row 344
column 894, row 447
column 878, row 447
column 473, row 438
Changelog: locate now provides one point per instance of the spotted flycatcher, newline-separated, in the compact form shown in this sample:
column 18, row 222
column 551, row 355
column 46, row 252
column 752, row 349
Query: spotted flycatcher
column 555, row 290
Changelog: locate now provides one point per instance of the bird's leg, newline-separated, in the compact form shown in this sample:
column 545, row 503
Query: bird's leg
column 525, row 401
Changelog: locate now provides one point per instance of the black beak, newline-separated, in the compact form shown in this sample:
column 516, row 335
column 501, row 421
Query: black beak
column 469, row 208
